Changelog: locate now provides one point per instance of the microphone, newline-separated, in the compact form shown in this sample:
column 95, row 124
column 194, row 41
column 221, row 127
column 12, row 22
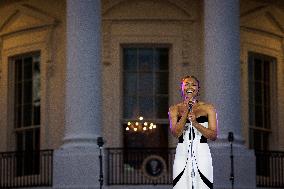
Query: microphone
column 231, row 137
column 190, row 105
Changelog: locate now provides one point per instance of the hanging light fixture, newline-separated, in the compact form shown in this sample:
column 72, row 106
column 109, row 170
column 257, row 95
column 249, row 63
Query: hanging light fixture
column 140, row 126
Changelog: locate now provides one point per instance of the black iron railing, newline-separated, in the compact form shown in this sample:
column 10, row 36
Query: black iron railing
column 26, row 169
column 139, row 166
column 269, row 169
column 154, row 166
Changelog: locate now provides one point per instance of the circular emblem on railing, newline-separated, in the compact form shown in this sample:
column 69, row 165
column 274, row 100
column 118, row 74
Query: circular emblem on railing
column 154, row 167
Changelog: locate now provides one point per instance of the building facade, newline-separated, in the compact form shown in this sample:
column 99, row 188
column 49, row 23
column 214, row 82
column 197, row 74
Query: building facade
column 73, row 71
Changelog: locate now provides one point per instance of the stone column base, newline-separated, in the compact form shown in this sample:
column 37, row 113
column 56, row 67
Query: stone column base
column 244, row 166
column 76, row 167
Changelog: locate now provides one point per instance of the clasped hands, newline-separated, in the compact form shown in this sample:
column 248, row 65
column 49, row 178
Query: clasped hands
column 191, row 117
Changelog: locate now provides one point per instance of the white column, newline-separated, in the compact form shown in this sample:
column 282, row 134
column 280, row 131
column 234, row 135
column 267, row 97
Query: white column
column 222, row 88
column 222, row 63
column 76, row 163
column 83, row 73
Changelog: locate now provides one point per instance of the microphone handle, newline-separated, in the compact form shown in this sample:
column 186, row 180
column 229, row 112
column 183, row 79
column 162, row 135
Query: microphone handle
column 190, row 107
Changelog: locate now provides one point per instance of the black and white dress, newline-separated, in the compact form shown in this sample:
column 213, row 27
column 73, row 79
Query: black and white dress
column 192, row 167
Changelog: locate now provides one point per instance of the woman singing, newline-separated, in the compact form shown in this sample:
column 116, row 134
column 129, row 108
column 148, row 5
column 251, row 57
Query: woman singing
column 192, row 122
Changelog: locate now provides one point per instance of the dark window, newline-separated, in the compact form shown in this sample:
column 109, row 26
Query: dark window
column 145, row 93
column 261, row 86
column 26, row 89
column 262, row 79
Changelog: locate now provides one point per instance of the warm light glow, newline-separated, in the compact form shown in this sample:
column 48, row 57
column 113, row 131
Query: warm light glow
column 139, row 125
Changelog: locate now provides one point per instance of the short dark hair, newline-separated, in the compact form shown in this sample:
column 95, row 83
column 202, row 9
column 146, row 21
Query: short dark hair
column 190, row 76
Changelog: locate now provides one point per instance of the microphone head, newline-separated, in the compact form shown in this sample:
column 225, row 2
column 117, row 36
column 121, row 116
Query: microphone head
column 230, row 136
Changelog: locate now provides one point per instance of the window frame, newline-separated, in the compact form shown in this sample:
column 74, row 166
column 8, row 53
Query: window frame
column 159, row 121
column 251, row 102
column 15, row 131
column 123, row 46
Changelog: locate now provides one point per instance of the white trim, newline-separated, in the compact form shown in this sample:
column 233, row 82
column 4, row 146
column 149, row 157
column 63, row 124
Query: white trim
column 21, row 43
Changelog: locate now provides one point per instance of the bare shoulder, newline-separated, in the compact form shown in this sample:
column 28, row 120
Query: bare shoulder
column 208, row 107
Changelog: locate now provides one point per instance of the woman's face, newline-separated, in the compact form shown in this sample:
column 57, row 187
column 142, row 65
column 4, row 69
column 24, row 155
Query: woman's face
column 189, row 88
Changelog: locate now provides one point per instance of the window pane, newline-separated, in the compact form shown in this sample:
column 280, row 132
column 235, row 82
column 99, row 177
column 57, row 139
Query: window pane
column 145, row 84
column 37, row 139
column 161, row 59
column 27, row 92
column 257, row 140
column 130, row 59
column 27, row 111
column 130, row 83
column 161, row 107
column 36, row 58
column 265, row 141
column 27, row 115
column 251, row 92
column 28, row 68
column 266, row 71
column 29, row 140
column 266, row 95
column 134, row 140
column 18, row 70
column 36, row 84
column 129, row 107
column 258, row 93
column 36, row 115
column 267, row 118
column 18, row 117
column 156, row 138
column 161, row 83
column 19, row 140
column 18, row 94
column 145, row 56
column 20, row 148
column 258, row 116
column 36, row 154
column 257, row 69
column 28, row 155
column 146, row 106
column 260, row 89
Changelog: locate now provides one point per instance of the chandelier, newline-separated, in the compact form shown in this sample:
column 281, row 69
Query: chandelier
column 139, row 125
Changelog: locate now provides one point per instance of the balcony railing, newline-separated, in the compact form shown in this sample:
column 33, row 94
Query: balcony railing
column 26, row 169
column 139, row 166
column 154, row 166
column 269, row 169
